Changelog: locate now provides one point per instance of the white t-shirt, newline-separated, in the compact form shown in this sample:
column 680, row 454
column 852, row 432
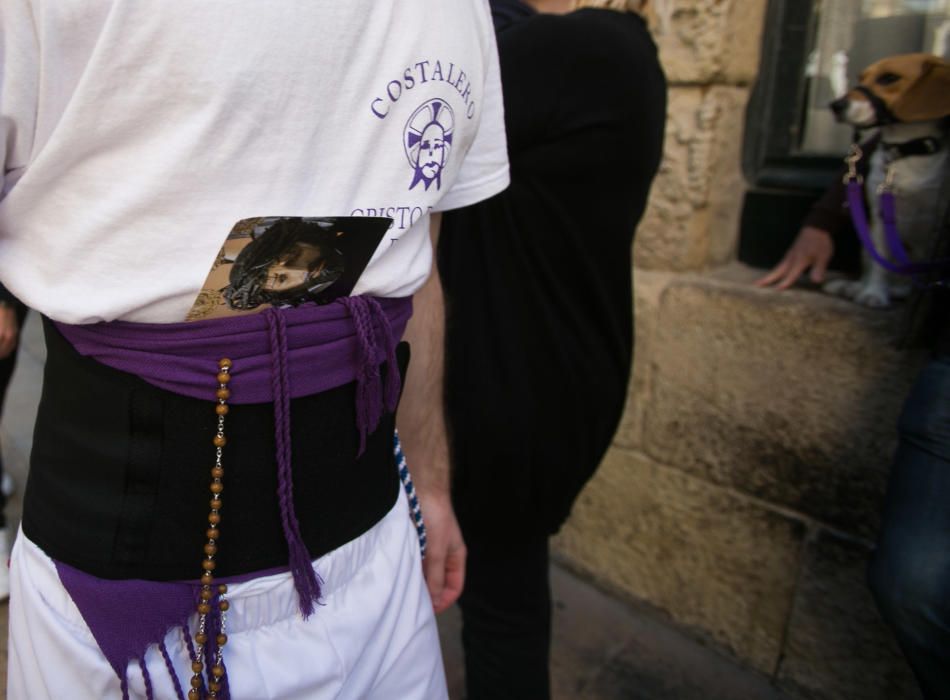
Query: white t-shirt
column 135, row 133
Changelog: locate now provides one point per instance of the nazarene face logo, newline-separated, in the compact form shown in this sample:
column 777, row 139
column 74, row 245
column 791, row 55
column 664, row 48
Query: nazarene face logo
column 428, row 139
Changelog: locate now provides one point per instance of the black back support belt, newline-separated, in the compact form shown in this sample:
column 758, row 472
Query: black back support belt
column 119, row 473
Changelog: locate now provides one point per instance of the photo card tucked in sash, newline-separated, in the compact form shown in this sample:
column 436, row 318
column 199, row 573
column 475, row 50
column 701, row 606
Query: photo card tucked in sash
column 287, row 261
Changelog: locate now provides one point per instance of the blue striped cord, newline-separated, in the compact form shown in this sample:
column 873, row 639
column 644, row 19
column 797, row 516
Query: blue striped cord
column 414, row 508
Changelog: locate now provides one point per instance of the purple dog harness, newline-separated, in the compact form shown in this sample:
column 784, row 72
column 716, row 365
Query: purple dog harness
column 274, row 356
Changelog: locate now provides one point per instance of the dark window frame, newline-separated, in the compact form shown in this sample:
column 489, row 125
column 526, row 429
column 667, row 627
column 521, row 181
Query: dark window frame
column 782, row 182
column 773, row 120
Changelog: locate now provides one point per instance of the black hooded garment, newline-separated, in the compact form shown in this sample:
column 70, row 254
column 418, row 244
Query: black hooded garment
column 539, row 335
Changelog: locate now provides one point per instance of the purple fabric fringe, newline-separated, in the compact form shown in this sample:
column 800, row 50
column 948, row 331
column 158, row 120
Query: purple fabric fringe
column 131, row 615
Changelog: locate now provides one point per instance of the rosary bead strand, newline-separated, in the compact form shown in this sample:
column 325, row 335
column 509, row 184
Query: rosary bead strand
column 210, row 595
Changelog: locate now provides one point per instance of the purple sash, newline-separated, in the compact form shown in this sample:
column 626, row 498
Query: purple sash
column 325, row 347
column 277, row 355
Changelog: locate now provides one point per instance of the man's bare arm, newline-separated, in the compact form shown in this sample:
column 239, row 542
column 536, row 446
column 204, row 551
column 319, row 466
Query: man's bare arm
column 421, row 422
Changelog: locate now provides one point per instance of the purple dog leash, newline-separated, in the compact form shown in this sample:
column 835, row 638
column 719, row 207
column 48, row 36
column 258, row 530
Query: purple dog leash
column 888, row 209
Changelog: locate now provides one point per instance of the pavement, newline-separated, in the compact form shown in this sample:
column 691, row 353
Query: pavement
column 602, row 648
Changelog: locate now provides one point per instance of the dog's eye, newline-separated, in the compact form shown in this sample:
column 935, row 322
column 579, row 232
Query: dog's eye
column 887, row 78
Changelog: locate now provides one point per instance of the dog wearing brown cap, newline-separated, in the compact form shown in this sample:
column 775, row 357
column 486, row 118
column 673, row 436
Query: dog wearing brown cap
column 907, row 98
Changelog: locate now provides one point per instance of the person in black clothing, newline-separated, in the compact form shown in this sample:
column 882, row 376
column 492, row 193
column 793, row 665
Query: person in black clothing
column 12, row 313
column 909, row 573
column 539, row 334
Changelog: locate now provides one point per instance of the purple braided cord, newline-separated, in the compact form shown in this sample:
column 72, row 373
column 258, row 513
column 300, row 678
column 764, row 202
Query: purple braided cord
column 368, row 404
column 384, row 329
column 375, row 344
column 210, row 648
column 147, row 679
column 171, row 670
column 213, row 629
column 124, row 686
column 305, row 578
column 225, row 693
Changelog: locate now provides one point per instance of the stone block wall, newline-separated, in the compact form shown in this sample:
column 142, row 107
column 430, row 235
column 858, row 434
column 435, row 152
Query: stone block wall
column 742, row 494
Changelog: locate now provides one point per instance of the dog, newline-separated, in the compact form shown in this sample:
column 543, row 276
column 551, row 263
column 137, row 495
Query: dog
column 907, row 99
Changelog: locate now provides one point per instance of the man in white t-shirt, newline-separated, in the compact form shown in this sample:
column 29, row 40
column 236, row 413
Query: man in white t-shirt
column 133, row 136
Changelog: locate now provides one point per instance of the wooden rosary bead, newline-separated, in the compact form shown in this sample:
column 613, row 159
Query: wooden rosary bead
column 206, row 594
column 207, row 578
column 217, row 670
column 196, row 681
column 222, row 639
column 208, row 565
column 201, row 638
column 222, row 588
column 210, row 550
column 224, row 605
column 223, row 393
column 223, row 377
column 212, row 533
column 224, row 363
column 214, row 686
column 217, row 487
column 217, row 472
column 204, row 608
column 193, row 694
column 214, row 518
column 220, row 441
column 221, row 409
column 197, row 666
column 215, row 503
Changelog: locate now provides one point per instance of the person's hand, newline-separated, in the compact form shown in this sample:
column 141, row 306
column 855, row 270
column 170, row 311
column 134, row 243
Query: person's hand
column 444, row 565
column 813, row 248
column 9, row 330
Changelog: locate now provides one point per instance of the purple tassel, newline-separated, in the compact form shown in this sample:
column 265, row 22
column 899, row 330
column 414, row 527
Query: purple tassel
column 368, row 387
column 179, row 693
column 393, row 381
column 147, row 680
column 305, row 578
column 375, row 344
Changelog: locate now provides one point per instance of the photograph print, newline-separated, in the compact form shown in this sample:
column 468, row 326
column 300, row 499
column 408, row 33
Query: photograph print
column 286, row 261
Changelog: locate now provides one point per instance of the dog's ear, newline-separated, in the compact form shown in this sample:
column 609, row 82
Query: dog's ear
column 929, row 95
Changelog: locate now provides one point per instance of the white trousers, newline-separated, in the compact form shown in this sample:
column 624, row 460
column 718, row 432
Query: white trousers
column 374, row 636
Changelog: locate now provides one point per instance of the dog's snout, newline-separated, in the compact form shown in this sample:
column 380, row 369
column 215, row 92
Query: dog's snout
column 839, row 106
